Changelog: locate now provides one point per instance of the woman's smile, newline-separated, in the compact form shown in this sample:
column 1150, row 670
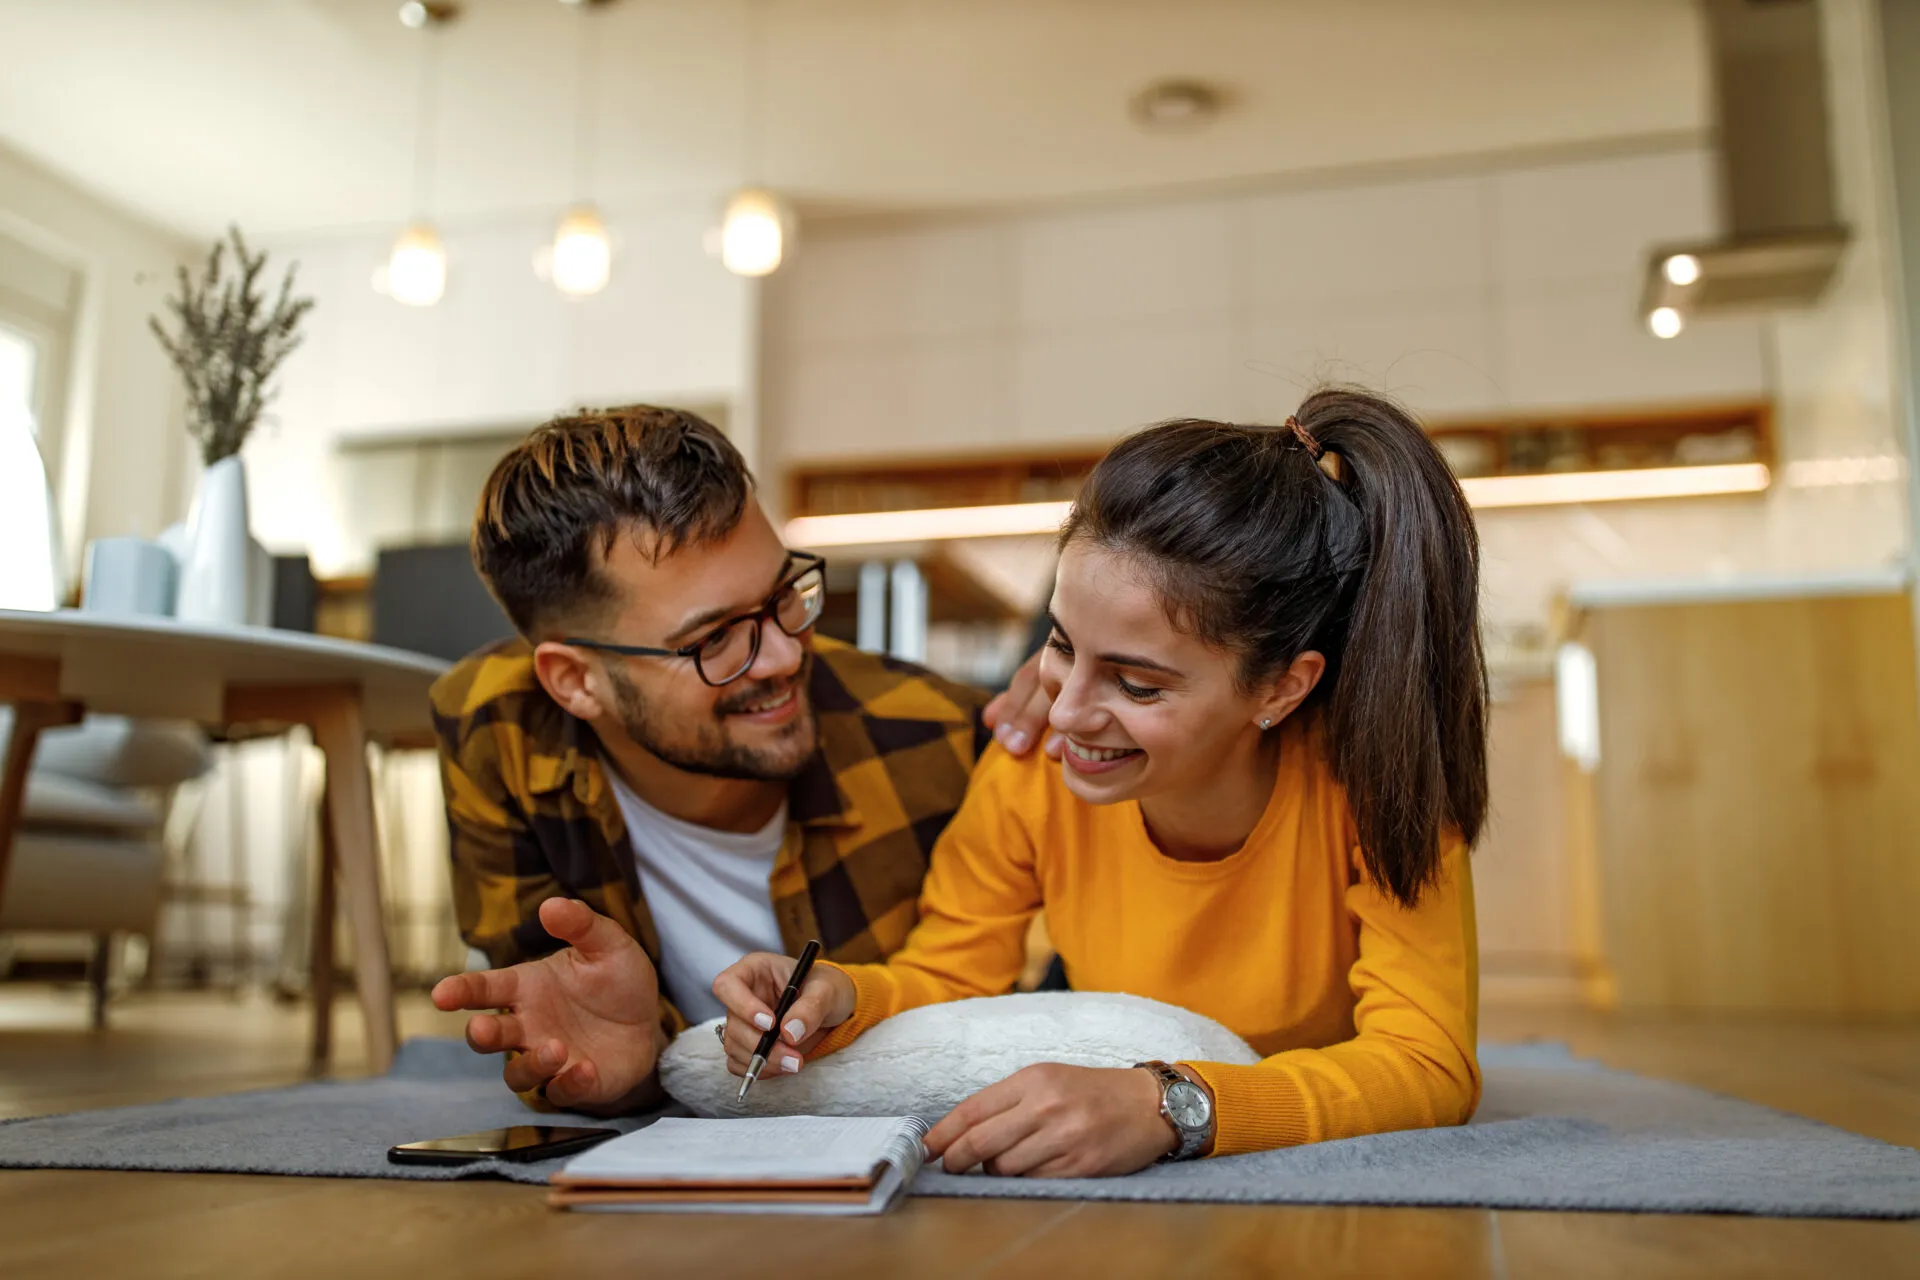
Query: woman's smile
column 1088, row 759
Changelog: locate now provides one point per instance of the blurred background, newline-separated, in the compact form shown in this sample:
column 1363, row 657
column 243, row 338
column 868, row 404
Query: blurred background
column 1636, row 263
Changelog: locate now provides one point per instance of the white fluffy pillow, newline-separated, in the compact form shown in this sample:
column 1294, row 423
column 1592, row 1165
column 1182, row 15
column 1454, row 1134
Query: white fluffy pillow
column 926, row 1060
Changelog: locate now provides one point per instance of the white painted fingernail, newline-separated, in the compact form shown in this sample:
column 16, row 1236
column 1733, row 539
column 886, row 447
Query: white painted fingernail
column 796, row 1030
column 790, row 1064
column 763, row 1020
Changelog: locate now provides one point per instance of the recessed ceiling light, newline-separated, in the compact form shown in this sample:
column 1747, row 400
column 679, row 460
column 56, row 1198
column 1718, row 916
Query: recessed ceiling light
column 1175, row 103
column 1681, row 269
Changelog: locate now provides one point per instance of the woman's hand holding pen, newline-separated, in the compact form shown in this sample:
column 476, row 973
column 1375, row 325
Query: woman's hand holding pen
column 751, row 988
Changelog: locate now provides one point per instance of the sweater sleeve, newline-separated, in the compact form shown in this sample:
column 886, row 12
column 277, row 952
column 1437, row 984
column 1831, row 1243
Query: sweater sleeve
column 981, row 894
column 1411, row 1063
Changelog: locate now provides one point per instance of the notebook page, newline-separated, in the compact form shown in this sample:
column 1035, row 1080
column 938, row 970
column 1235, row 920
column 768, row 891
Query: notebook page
column 773, row 1148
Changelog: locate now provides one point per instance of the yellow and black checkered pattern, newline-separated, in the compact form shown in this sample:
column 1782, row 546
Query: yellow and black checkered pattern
column 532, row 815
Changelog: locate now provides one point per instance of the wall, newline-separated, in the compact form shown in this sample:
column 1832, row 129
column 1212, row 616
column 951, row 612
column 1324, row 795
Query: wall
column 117, row 466
column 1831, row 372
column 1480, row 291
column 502, row 349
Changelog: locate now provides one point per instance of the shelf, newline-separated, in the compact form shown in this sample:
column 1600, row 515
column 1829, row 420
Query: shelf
column 1647, row 454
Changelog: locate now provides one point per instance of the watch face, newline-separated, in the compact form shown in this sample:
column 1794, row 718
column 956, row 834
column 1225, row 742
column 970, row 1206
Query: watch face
column 1187, row 1105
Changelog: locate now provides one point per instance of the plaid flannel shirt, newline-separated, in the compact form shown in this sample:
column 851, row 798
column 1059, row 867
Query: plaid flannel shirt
column 533, row 817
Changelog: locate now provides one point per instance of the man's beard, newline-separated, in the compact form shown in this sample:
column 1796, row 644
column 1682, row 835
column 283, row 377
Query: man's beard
column 710, row 749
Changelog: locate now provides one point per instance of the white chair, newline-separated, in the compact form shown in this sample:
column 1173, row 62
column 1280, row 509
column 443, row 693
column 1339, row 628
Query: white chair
column 88, row 857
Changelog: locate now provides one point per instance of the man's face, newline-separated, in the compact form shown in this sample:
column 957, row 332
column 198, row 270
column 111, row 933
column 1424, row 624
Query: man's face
column 760, row 726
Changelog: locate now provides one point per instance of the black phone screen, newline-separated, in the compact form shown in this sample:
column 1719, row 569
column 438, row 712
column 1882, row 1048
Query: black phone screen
column 517, row 1142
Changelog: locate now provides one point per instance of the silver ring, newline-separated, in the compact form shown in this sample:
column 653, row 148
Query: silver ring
column 720, row 1030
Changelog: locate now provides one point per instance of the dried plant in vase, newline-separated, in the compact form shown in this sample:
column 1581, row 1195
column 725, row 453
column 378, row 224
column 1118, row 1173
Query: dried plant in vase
column 229, row 343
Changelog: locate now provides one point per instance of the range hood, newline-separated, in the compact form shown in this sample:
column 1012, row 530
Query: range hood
column 1783, row 241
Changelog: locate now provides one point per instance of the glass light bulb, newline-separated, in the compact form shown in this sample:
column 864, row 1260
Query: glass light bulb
column 753, row 234
column 1681, row 269
column 582, row 254
column 417, row 268
column 1665, row 322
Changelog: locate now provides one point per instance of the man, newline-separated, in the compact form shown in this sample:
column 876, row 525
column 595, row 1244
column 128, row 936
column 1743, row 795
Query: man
column 670, row 745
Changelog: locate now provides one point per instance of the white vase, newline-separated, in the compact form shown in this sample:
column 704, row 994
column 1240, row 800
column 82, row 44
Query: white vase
column 259, row 584
column 177, row 542
column 217, row 566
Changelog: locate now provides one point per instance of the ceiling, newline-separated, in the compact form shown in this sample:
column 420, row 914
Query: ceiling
column 296, row 116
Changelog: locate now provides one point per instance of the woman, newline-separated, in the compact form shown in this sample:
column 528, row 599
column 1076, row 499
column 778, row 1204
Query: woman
column 1267, row 667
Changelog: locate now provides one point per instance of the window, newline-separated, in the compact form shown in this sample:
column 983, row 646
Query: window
column 26, row 512
column 17, row 360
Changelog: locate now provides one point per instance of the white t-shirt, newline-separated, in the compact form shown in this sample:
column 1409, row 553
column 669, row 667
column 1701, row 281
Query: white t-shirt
column 708, row 893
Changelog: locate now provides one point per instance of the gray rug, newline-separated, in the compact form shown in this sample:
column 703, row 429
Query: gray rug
column 1553, row 1132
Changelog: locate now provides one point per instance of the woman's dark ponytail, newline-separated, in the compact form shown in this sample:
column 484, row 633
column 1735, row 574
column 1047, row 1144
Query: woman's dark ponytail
column 1346, row 534
column 1408, row 711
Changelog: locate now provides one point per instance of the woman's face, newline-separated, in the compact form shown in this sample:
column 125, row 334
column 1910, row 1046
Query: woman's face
column 1145, row 708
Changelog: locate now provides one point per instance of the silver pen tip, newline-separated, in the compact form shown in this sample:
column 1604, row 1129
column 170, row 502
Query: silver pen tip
column 753, row 1073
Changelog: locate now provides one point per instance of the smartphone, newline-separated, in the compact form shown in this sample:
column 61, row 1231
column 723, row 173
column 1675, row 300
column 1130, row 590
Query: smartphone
column 520, row 1142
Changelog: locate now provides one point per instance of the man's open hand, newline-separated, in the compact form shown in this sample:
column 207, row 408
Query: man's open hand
column 585, row 1020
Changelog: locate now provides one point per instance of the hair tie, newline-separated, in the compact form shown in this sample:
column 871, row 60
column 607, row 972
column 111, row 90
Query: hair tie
column 1305, row 437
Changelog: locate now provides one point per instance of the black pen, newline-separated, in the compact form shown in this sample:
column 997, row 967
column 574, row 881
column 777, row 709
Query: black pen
column 772, row 1036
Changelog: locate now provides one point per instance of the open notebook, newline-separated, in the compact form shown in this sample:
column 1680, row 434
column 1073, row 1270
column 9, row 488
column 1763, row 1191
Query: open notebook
column 776, row 1164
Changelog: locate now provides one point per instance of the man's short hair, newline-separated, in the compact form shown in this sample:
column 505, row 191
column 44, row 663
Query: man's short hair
column 552, row 508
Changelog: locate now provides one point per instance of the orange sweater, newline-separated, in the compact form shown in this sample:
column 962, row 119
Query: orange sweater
column 1366, row 1009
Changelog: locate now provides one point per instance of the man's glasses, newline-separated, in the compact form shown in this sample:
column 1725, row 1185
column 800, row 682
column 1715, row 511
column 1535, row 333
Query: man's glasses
column 727, row 652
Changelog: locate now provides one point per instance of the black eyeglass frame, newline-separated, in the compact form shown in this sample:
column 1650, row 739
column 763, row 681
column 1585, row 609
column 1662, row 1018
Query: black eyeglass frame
column 767, row 612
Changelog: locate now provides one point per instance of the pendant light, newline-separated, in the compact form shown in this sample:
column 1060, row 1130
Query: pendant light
column 756, row 232
column 582, row 254
column 416, row 270
column 580, row 260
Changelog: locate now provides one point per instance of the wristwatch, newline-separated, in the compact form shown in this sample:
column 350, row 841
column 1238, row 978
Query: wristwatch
column 1185, row 1106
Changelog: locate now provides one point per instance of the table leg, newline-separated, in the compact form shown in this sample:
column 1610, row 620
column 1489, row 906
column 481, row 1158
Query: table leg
column 30, row 719
column 97, row 975
column 321, row 977
column 340, row 732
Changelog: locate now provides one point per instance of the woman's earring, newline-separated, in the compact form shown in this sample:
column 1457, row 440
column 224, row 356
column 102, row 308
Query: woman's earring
column 1266, row 724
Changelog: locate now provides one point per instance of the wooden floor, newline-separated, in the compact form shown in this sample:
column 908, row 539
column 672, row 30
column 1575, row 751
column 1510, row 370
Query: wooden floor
column 89, row 1224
